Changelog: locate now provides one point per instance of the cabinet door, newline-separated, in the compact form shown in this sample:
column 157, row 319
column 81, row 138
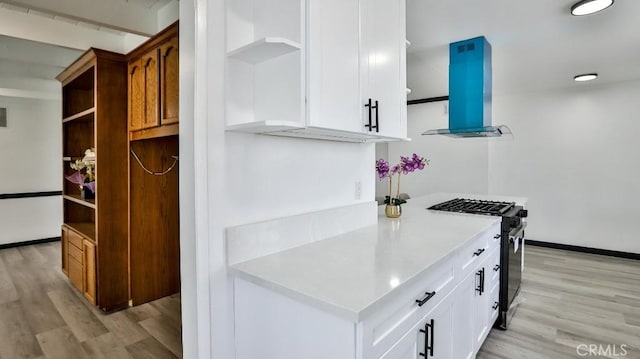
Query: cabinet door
column 407, row 347
column 65, row 251
column 89, row 274
column 169, row 82
column 383, row 71
column 136, row 95
column 333, row 53
column 151, row 75
column 480, row 306
column 463, row 300
column 432, row 337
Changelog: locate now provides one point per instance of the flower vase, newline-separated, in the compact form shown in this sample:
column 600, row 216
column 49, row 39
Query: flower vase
column 86, row 193
column 393, row 210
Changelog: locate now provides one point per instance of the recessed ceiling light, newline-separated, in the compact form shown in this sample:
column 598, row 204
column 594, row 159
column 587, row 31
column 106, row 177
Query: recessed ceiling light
column 586, row 7
column 585, row 77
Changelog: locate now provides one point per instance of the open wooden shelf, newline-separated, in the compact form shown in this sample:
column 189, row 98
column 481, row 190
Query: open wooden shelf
column 94, row 111
column 264, row 49
column 156, row 132
column 87, row 229
column 84, row 115
column 91, row 203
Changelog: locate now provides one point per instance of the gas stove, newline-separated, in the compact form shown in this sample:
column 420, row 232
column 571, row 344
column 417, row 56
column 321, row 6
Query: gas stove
column 511, row 244
column 475, row 206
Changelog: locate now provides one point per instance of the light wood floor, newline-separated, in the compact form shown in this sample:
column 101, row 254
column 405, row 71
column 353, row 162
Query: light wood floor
column 43, row 316
column 569, row 299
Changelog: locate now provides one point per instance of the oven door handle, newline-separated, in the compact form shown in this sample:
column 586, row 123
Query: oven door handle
column 517, row 232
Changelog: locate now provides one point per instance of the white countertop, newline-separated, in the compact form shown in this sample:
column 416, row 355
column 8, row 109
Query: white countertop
column 350, row 275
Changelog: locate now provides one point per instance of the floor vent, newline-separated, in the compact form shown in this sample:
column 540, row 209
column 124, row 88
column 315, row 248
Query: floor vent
column 3, row 117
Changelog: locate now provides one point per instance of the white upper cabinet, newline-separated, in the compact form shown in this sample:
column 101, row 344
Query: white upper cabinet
column 333, row 65
column 383, row 51
column 311, row 72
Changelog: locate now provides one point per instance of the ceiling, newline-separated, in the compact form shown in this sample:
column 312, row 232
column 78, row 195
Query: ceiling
column 24, row 58
column 39, row 39
column 536, row 45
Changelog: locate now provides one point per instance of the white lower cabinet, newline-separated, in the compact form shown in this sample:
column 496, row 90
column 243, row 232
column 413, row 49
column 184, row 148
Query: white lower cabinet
column 431, row 337
column 446, row 313
column 463, row 299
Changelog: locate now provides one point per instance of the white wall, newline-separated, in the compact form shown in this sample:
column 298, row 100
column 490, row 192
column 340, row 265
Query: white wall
column 30, row 159
column 576, row 156
column 270, row 177
column 456, row 165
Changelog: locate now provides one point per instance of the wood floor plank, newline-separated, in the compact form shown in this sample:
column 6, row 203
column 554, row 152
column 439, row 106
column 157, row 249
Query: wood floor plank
column 149, row 348
column 60, row 344
column 166, row 332
column 16, row 338
column 106, row 346
column 11, row 257
column 81, row 321
column 125, row 329
column 142, row 312
column 8, row 291
column 169, row 306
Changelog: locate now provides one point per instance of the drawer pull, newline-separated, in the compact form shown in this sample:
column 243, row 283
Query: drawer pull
column 496, row 236
column 480, row 287
column 478, row 252
column 495, row 306
column 496, row 268
column 428, row 296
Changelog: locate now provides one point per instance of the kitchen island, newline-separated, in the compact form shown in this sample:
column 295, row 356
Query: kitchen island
column 377, row 292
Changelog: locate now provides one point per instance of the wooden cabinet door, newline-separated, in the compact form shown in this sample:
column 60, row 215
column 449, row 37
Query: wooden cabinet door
column 65, row 251
column 89, row 274
column 169, row 81
column 151, row 76
column 136, row 95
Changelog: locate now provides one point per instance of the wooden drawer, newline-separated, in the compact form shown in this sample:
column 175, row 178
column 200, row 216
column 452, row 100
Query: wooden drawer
column 75, row 253
column 402, row 312
column 75, row 239
column 75, row 273
column 477, row 250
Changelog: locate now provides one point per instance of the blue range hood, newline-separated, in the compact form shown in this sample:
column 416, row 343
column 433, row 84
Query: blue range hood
column 470, row 91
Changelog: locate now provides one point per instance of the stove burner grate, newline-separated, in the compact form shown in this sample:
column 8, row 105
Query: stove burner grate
column 463, row 205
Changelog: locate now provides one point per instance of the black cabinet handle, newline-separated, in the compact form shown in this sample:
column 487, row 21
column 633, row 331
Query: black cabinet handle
column 495, row 306
column 377, row 120
column 370, row 125
column 428, row 338
column 368, row 105
column 428, row 296
column 496, row 236
column 480, row 287
column 478, row 252
column 496, row 268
